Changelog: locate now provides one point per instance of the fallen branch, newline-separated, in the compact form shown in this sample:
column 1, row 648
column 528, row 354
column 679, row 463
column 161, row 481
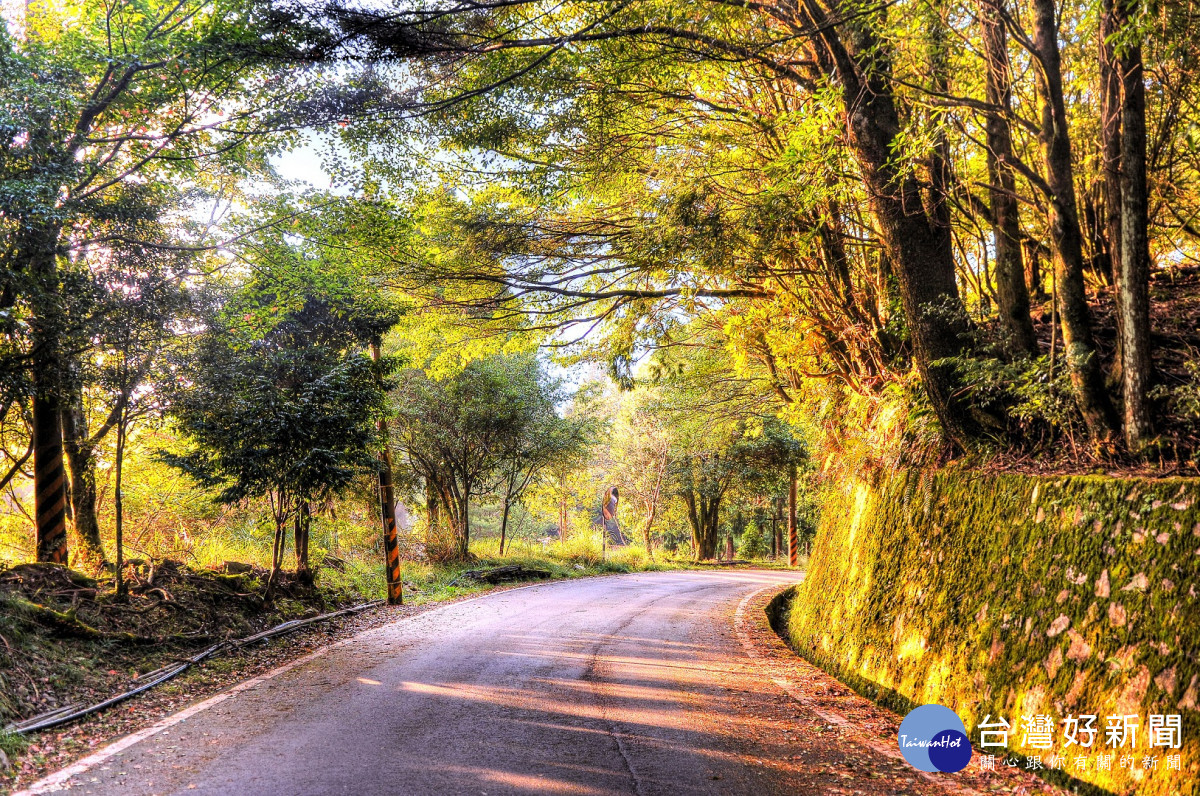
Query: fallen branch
column 501, row 574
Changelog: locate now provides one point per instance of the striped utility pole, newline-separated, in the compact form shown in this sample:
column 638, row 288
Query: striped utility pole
column 49, row 475
column 387, row 510
column 49, row 481
column 793, row 542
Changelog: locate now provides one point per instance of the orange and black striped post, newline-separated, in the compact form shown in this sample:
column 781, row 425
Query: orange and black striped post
column 49, row 482
column 387, row 510
column 793, row 541
column 49, row 476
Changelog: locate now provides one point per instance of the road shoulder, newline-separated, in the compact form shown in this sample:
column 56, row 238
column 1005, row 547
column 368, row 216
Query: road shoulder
column 830, row 714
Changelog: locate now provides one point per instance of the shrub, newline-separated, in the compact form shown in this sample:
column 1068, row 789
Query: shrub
column 755, row 542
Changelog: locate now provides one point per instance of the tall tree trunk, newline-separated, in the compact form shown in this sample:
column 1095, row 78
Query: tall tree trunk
column 1011, row 290
column 1083, row 360
column 387, row 517
column 647, row 538
column 1033, row 269
column 50, row 497
column 387, row 512
column 654, row 498
column 504, row 525
column 448, row 508
column 562, row 515
column 715, row 517
column 49, row 476
column 1110, row 157
column 710, row 521
column 458, row 495
column 279, row 512
column 464, row 526
column 302, row 526
column 81, row 459
column 1133, row 294
column 119, row 504
column 701, row 512
column 918, row 247
column 432, row 513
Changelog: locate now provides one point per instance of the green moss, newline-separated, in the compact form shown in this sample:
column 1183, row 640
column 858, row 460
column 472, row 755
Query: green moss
column 1013, row 595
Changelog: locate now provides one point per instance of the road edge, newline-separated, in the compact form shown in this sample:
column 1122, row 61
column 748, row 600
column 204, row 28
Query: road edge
column 55, row 780
column 775, row 658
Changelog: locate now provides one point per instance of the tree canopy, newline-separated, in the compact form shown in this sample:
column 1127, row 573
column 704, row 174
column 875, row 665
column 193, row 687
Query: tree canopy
column 854, row 192
column 869, row 234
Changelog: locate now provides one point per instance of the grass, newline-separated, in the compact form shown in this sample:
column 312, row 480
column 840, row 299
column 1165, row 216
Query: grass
column 12, row 745
column 424, row 582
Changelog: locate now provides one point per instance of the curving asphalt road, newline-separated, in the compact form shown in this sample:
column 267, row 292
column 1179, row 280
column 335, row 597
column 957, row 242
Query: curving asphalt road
column 632, row 684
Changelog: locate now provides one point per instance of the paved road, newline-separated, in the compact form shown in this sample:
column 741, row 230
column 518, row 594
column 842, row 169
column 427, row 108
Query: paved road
column 633, row 684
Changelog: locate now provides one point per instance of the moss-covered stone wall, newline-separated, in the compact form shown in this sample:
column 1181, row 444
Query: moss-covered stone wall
column 1013, row 596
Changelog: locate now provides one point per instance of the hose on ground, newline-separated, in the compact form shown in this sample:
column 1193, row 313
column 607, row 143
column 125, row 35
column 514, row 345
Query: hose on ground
column 69, row 713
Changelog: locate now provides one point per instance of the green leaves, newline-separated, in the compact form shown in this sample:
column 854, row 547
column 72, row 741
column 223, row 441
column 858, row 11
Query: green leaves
column 492, row 427
column 279, row 395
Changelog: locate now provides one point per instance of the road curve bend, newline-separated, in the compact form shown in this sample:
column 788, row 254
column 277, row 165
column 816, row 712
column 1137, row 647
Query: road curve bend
column 629, row 684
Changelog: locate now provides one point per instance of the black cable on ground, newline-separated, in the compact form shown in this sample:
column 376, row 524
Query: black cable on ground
column 65, row 715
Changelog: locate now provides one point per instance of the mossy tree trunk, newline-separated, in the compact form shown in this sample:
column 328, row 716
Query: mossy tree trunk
column 1110, row 145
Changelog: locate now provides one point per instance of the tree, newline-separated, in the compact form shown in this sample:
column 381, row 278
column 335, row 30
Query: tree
column 140, row 331
column 814, row 167
column 489, row 421
column 281, row 401
column 1083, row 360
column 802, row 47
column 720, row 443
column 104, row 106
column 123, row 301
column 640, row 448
column 1011, row 290
column 538, row 439
column 710, row 468
column 1133, row 287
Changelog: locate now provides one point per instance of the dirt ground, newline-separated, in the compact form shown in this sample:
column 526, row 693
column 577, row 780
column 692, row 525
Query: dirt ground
column 66, row 639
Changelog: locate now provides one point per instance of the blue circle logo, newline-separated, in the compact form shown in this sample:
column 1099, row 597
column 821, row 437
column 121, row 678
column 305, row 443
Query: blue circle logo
column 933, row 738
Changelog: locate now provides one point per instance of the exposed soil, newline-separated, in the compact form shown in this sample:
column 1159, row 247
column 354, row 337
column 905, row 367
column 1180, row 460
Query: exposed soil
column 67, row 639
